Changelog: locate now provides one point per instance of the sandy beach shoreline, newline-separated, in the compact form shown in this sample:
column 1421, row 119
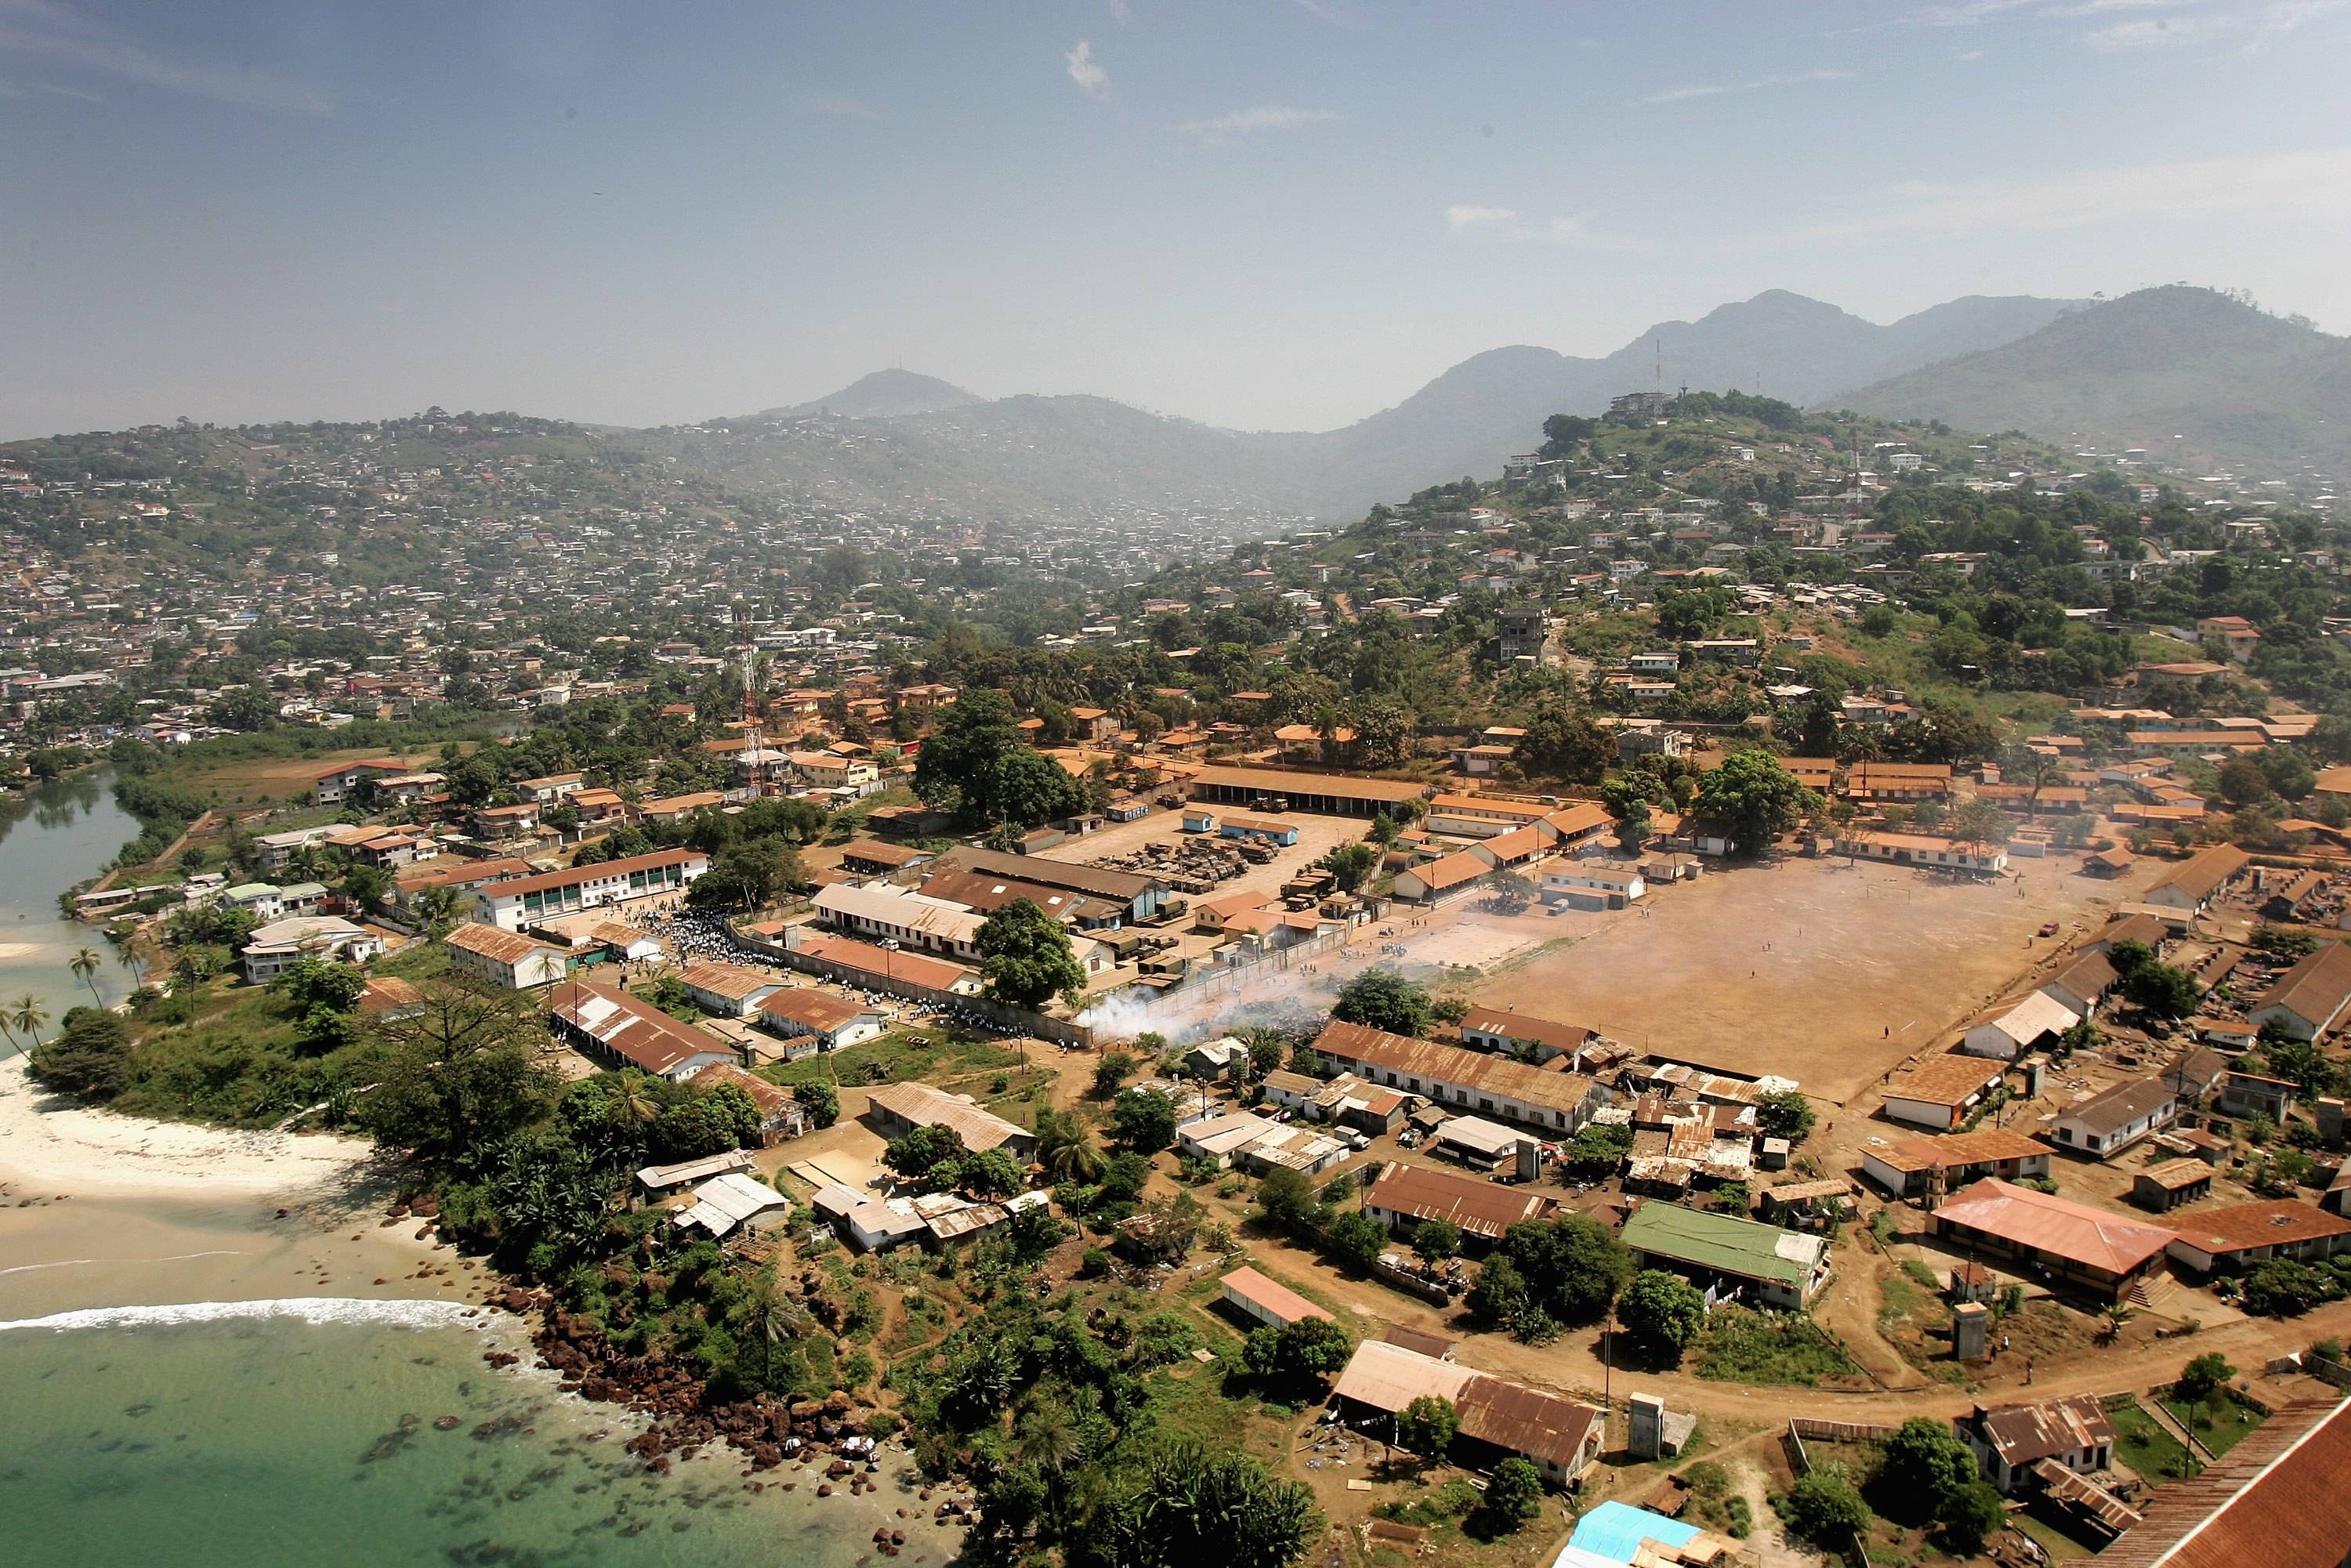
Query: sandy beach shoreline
column 101, row 1211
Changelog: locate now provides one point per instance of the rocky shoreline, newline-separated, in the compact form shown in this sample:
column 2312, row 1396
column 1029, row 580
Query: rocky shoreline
column 834, row 1435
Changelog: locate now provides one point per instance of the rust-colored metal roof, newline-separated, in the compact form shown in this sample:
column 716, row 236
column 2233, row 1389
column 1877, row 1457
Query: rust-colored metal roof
column 1270, row 1294
column 1480, row 1207
column 2023, row 1432
column 2278, row 1499
column 2280, row 1223
column 2074, row 1231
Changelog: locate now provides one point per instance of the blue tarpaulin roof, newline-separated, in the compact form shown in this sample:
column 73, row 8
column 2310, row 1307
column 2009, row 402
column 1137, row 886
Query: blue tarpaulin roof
column 1614, row 1531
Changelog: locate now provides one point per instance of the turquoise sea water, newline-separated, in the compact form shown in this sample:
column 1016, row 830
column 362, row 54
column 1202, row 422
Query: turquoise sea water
column 255, row 1441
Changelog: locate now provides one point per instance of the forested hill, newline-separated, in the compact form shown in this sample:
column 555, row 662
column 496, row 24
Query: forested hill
column 900, row 440
column 2195, row 377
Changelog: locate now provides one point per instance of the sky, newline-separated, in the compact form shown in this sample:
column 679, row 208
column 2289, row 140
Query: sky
column 1258, row 214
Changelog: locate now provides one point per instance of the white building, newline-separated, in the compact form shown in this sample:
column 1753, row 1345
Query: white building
column 274, row 948
column 526, row 900
column 506, row 959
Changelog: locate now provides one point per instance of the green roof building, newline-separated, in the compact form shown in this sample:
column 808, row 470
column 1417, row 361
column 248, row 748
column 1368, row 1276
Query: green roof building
column 1777, row 1267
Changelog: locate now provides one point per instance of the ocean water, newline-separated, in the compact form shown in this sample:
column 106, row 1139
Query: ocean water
column 255, row 1435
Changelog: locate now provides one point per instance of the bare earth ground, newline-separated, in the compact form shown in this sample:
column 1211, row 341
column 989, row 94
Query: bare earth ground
column 1317, row 836
column 1819, row 971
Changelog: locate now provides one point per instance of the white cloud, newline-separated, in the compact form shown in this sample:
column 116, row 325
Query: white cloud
column 2312, row 184
column 1715, row 89
column 1121, row 12
column 841, row 108
column 39, row 28
column 1086, row 71
column 1245, row 122
column 1457, row 218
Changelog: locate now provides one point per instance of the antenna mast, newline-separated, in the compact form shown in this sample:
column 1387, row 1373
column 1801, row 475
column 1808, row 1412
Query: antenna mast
column 755, row 745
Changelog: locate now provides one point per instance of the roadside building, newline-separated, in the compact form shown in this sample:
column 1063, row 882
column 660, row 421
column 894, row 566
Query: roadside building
column 1521, row 1034
column 897, row 1108
column 1561, row 1438
column 1463, row 1080
column 2018, row 1029
column 2309, row 999
column 272, row 948
column 2276, row 1500
column 736, row 1202
column 623, row 1030
column 2082, row 984
column 1942, row 1091
column 2200, row 879
column 1447, row 876
column 1405, row 1194
column 891, row 969
column 780, row 1116
column 882, row 913
column 726, row 990
column 1265, row 1301
column 1589, row 885
column 804, row 1013
column 1478, row 1143
column 1777, row 1267
column 508, row 960
column 1909, row 1166
column 1141, row 897
column 2092, row 1250
column 2171, row 1184
column 1926, row 851
column 2010, row 1440
column 2231, row 1239
column 871, row 857
column 2110, row 1121
column 526, row 900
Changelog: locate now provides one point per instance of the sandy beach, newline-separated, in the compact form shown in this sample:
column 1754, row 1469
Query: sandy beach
column 101, row 1211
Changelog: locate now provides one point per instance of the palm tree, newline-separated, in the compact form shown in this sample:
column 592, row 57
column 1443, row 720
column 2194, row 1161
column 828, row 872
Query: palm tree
column 29, row 1016
column 1079, row 1160
column 1048, row 1439
column 438, row 908
column 13, row 1049
column 84, row 968
column 2115, row 1316
column 771, row 1319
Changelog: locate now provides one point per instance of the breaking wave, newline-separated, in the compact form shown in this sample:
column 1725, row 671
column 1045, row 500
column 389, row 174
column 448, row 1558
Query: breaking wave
column 315, row 1310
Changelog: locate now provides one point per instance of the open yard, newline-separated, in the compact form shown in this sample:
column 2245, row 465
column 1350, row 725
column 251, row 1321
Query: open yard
column 268, row 780
column 1826, row 973
column 1317, row 836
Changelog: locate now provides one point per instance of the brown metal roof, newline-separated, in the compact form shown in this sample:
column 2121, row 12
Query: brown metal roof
column 2316, row 988
column 2021, row 1216
column 1482, row 1208
column 1350, row 1044
column 2283, row 1222
column 2023, row 1432
column 2277, row 1498
column 1948, row 1080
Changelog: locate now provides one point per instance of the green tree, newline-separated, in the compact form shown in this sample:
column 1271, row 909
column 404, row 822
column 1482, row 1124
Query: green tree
column 1826, row 1508
column 1784, row 1113
column 1306, row 1349
column 90, row 1057
column 1194, row 1504
column 28, row 1017
column 1355, row 1239
column 2160, row 991
column 1111, row 1072
column 460, row 1076
column 84, row 965
column 979, row 765
column 1143, row 1119
column 1437, row 1240
column 1026, row 957
column 1573, row 1267
column 1381, row 997
column 1662, row 1314
column 1754, row 798
column 1350, row 865
column 1285, row 1201
column 1562, row 743
column 1427, row 1426
column 821, row 1103
column 2203, row 1375
column 1513, row 1492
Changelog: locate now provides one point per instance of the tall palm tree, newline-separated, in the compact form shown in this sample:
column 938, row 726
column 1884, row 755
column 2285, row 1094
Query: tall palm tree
column 1048, row 1439
column 84, row 968
column 1078, row 1160
column 771, row 1319
column 13, row 1049
column 29, row 1016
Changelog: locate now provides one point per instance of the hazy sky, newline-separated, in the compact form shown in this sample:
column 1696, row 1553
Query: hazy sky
column 1283, row 214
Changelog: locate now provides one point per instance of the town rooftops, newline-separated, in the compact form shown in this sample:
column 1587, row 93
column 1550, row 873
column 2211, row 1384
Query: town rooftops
column 1987, row 1146
column 631, row 1028
column 2198, row 877
column 2110, row 1109
column 1276, row 781
column 2283, row 1222
column 1725, row 1243
column 1123, row 887
column 1351, row 1043
column 885, row 963
column 2020, row 1434
column 927, row 1107
column 2021, row 1216
column 2317, row 988
column 733, row 982
column 818, row 1012
column 1482, row 1208
column 2277, row 1498
column 1518, row 1419
column 496, row 944
column 1277, row 1299
column 595, row 871
column 1516, row 1026
column 1948, row 1080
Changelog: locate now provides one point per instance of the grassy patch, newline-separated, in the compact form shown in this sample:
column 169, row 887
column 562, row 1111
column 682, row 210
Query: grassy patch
column 2059, row 1546
column 933, row 1055
column 2143, row 1444
column 1770, row 1349
column 2220, row 1423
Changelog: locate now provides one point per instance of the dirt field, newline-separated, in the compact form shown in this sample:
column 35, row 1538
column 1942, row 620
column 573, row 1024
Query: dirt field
column 1827, row 974
column 268, row 780
column 1317, row 836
